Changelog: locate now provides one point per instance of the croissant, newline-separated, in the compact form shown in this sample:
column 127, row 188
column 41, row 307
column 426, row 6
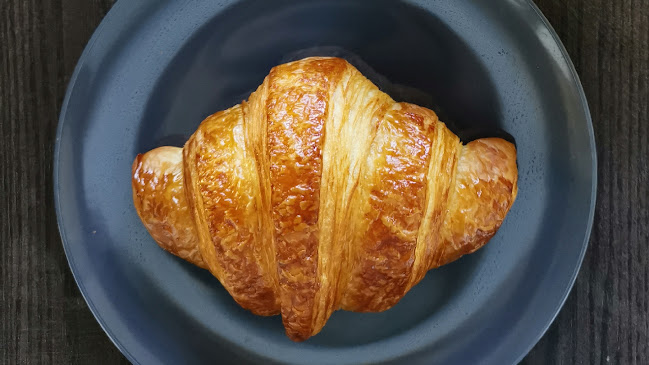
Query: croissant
column 320, row 193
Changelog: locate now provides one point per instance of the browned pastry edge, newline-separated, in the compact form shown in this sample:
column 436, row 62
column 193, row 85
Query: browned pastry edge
column 224, row 205
column 160, row 201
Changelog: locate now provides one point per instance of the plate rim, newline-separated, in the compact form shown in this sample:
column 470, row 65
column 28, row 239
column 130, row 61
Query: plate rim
column 593, row 193
column 131, row 358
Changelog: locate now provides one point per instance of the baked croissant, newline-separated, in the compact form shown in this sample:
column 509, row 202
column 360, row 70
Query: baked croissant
column 320, row 193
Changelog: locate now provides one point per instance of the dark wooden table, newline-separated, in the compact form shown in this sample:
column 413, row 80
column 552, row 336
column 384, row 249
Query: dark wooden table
column 44, row 319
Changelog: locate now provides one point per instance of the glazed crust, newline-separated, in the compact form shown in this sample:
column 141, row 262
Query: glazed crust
column 321, row 193
column 222, row 197
column 160, row 201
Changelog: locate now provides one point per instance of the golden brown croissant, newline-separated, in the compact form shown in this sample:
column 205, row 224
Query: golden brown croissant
column 322, row 193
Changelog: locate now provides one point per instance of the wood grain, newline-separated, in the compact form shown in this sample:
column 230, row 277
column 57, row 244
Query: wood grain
column 44, row 319
column 606, row 317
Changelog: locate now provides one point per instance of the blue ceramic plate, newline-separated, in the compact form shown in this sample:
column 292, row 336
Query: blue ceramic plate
column 154, row 69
